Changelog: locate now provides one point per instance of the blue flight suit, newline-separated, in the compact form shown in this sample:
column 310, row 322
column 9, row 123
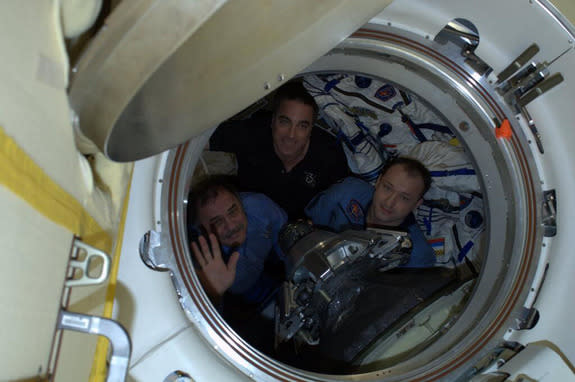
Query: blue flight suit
column 265, row 219
column 344, row 206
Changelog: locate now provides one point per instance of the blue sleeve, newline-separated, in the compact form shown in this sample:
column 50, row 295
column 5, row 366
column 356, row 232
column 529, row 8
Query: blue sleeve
column 331, row 208
column 279, row 219
column 270, row 215
column 422, row 255
column 321, row 208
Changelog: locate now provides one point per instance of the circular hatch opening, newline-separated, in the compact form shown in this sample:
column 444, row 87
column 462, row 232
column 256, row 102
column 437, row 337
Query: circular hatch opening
column 480, row 311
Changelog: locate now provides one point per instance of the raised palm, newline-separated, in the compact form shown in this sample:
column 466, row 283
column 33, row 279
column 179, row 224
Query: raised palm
column 215, row 275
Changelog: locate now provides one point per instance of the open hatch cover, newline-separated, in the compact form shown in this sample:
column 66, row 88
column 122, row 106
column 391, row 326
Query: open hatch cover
column 162, row 71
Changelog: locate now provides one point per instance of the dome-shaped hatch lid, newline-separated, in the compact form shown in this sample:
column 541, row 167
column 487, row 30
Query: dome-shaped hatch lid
column 161, row 72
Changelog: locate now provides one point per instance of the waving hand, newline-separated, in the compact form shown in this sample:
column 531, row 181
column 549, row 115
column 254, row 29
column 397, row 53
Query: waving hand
column 215, row 275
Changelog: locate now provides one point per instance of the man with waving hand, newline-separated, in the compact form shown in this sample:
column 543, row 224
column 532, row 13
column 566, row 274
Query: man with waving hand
column 236, row 253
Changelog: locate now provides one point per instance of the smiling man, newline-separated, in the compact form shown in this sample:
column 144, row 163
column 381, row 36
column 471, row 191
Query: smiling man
column 236, row 245
column 282, row 155
column 356, row 204
column 233, row 237
column 291, row 131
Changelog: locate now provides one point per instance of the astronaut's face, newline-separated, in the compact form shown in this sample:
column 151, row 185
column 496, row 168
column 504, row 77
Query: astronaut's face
column 291, row 130
column 224, row 215
column 397, row 193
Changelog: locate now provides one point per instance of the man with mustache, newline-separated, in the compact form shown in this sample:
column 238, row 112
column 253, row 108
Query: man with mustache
column 236, row 252
column 282, row 155
column 354, row 203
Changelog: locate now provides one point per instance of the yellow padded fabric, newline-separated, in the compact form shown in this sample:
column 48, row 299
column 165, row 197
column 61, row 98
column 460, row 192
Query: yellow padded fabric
column 26, row 179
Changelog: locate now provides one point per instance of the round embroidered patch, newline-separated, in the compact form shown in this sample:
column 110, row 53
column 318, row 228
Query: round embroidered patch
column 384, row 129
column 355, row 212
